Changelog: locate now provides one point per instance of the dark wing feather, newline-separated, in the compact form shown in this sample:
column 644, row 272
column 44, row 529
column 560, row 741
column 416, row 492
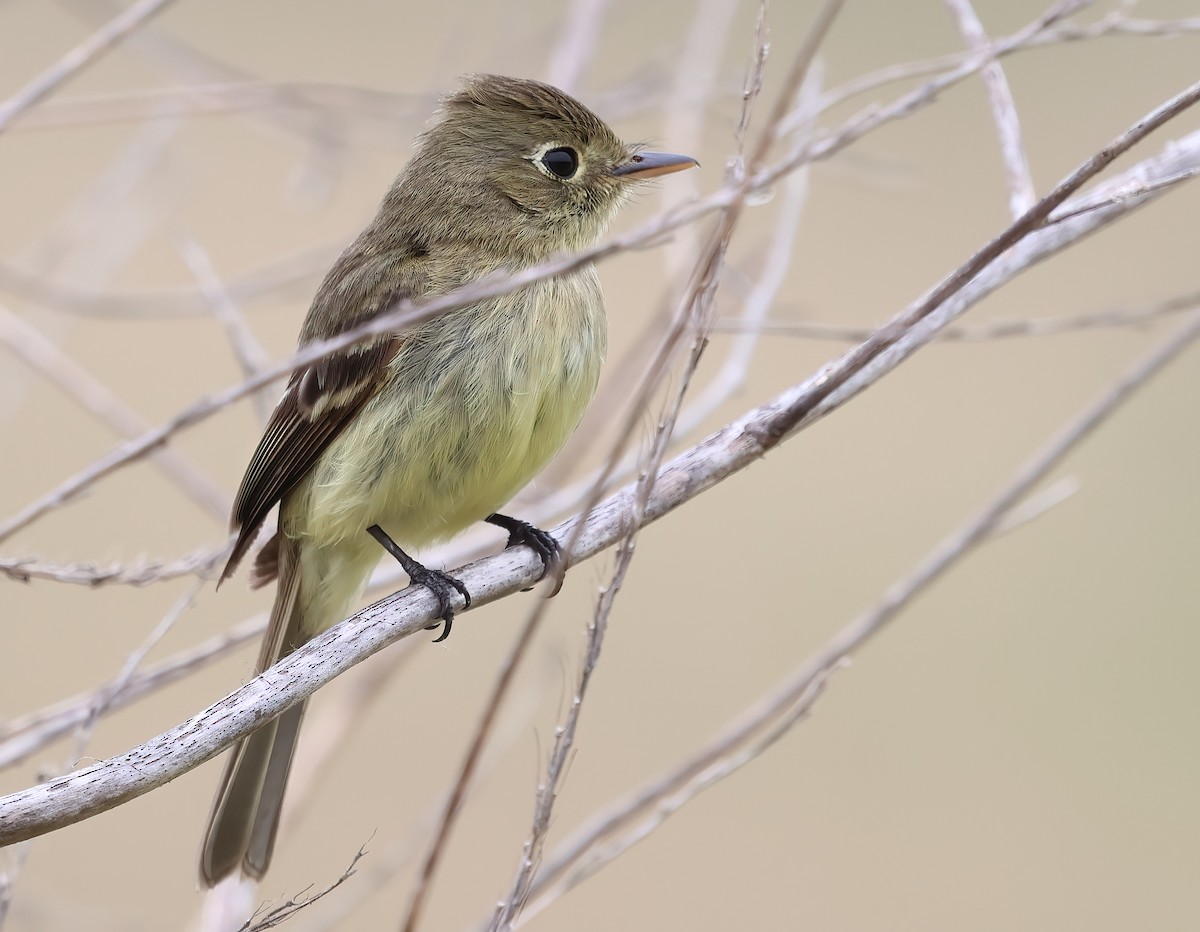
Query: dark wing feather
column 320, row 400
column 368, row 279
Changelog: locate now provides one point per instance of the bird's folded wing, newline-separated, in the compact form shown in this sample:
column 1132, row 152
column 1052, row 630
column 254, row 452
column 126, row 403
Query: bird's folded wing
column 320, row 400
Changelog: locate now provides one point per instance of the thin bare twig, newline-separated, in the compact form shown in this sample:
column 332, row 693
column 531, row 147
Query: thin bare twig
column 1135, row 188
column 875, row 116
column 45, row 357
column 1022, row 192
column 22, row 737
column 144, row 573
column 301, row 900
column 693, row 86
column 1118, row 23
column 1036, row 504
column 185, row 63
column 576, row 45
column 86, row 728
column 950, row 69
column 994, row 330
column 106, row 695
column 84, row 54
column 664, row 799
column 390, row 110
column 248, row 351
column 757, row 303
column 276, row 277
column 386, row 864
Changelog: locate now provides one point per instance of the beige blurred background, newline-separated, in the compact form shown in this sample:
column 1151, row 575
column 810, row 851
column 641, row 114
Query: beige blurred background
column 1020, row 750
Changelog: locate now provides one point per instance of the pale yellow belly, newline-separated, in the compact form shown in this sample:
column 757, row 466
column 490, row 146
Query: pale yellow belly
column 468, row 416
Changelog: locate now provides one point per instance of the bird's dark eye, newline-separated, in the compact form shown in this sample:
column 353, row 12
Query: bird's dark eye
column 562, row 162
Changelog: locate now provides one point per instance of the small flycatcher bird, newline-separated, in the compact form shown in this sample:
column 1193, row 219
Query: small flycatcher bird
column 408, row 437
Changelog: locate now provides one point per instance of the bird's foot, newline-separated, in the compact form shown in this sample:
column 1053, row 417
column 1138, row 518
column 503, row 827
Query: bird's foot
column 442, row 585
column 523, row 534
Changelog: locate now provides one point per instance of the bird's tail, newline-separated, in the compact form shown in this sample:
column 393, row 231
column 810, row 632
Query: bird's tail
column 245, row 814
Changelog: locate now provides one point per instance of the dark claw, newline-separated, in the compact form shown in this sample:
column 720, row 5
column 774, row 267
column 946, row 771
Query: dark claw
column 522, row 533
column 442, row 585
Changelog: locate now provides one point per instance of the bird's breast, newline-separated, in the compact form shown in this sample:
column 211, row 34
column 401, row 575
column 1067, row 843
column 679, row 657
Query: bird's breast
column 474, row 405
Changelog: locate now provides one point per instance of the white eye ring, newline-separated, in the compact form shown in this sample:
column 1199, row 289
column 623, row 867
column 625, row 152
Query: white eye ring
column 557, row 161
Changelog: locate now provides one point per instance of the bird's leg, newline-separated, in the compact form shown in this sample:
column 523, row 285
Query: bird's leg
column 523, row 533
column 440, row 584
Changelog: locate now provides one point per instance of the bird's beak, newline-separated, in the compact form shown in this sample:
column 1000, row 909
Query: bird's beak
column 652, row 164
